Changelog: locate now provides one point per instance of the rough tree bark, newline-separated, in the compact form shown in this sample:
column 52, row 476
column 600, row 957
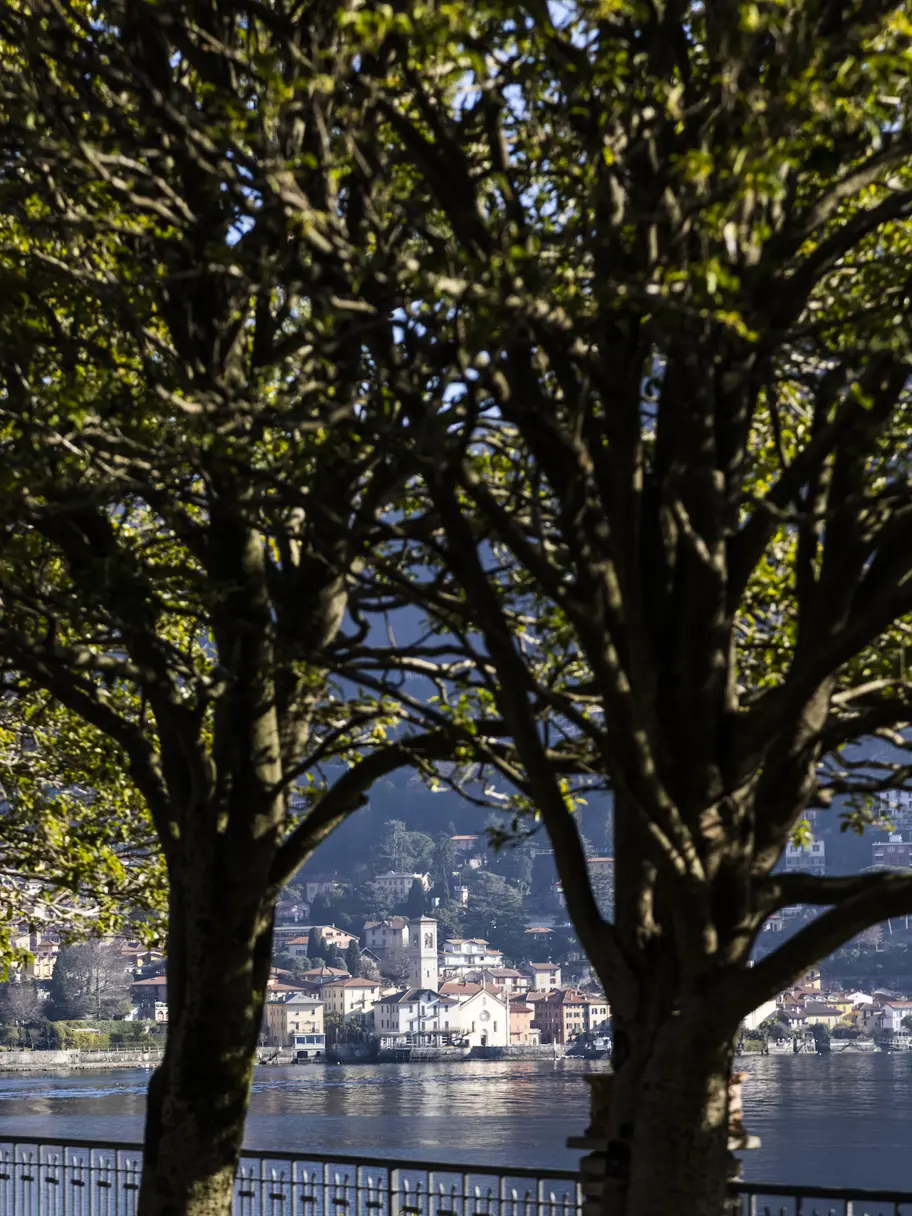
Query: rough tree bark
column 218, row 966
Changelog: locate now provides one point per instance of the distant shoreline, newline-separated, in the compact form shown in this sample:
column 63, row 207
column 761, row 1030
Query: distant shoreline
column 75, row 1060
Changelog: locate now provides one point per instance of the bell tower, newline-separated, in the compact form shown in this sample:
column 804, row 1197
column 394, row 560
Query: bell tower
column 423, row 971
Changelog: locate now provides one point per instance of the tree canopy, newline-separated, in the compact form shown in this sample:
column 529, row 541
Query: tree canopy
column 584, row 327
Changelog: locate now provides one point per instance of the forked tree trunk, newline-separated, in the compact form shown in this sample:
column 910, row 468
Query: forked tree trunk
column 667, row 1122
column 218, row 967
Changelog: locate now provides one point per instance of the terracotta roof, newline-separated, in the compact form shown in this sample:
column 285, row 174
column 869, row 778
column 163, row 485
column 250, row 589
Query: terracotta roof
column 544, row 966
column 413, row 994
column 358, row 983
column 565, row 996
column 454, row 988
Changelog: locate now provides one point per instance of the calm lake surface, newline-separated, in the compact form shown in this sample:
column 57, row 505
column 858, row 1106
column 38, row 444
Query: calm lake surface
column 838, row 1120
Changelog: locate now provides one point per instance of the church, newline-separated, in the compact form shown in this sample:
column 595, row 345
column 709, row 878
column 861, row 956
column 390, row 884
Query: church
column 421, row 1016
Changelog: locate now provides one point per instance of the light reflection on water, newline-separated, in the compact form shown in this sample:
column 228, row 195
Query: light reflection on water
column 838, row 1120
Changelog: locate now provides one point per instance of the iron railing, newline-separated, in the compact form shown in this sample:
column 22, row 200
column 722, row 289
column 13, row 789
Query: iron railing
column 756, row 1199
column 98, row 1178
column 67, row 1178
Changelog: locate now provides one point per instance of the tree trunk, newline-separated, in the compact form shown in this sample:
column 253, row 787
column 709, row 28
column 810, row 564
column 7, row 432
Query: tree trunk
column 218, row 967
column 667, row 1122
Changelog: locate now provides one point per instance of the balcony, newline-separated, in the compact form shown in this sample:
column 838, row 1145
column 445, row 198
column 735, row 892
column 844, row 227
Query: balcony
column 69, row 1178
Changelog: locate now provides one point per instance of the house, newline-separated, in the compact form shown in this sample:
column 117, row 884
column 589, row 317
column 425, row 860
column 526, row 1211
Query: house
column 859, row 998
column 318, row 977
column 543, row 976
column 291, row 912
column 806, row 858
column 893, row 1013
column 822, row 1015
column 136, row 955
column 329, row 935
column 521, row 1029
column 598, row 1012
column 463, row 954
column 459, row 991
column 320, row 884
column 842, row 1002
column 290, row 1014
column 151, row 998
column 381, row 936
column 465, row 844
column 41, row 965
column 481, row 1020
column 894, row 853
column 601, row 867
column 872, row 1017
column 399, row 885
column 417, row 1016
column 351, row 999
column 566, row 1013
column 794, row 1017
column 506, row 978
column 283, row 935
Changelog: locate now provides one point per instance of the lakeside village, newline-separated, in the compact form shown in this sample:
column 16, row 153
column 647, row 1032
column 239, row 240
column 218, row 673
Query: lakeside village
column 392, row 966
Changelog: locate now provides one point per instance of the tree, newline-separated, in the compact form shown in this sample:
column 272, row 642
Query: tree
column 396, row 965
column 334, row 957
column 444, row 865
column 495, row 912
column 353, row 958
column 74, row 828
column 189, row 491
column 20, row 1002
column 316, row 948
column 90, row 980
column 416, row 903
column 664, row 314
column 375, row 901
column 404, row 852
column 450, row 918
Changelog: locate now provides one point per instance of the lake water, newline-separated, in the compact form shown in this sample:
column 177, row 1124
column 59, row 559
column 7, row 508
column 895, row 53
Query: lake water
column 838, row 1120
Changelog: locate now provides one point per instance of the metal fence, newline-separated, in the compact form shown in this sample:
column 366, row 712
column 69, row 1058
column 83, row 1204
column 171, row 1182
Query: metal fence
column 68, row 1178
column 63, row 1178
column 755, row 1199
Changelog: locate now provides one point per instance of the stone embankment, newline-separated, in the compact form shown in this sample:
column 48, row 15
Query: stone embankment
column 74, row 1058
column 520, row 1051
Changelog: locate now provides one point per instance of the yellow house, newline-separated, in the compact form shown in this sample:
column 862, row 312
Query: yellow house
column 294, row 1013
column 350, row 998
column 844, row 1004
column 41, row 966
column 822, row 1015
